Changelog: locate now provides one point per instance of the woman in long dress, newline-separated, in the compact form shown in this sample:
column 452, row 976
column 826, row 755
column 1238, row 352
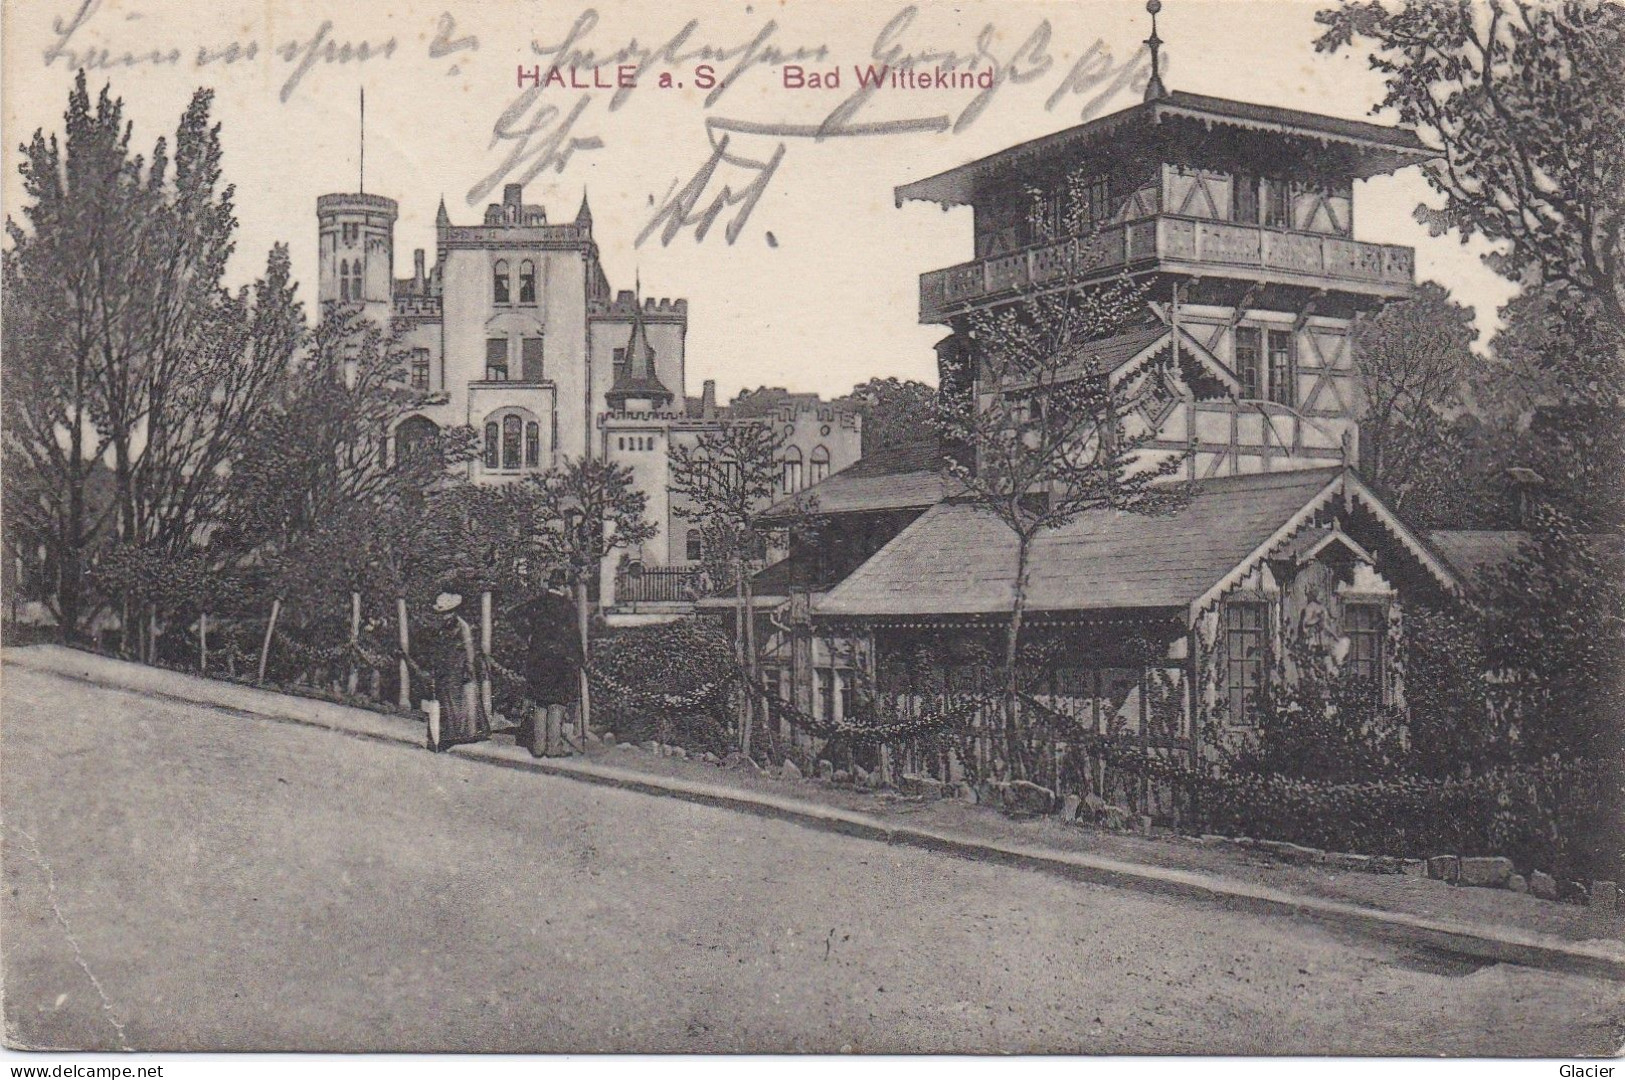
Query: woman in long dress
column 456, row 680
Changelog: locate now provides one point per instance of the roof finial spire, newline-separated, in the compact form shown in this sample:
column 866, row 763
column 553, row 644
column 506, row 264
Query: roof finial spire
column 1154, row 89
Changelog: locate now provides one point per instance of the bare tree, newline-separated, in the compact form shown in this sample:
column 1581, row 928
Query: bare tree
column 1048, row 432
column 725, row 479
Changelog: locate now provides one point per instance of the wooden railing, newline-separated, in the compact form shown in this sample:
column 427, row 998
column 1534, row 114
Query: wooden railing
column 1385, row 269
column 658, row 584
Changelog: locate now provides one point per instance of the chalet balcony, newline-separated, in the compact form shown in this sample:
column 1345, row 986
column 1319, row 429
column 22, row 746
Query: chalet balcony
column 1176, row 245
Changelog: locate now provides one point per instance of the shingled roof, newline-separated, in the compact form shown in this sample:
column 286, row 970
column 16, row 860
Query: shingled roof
column 959, row 560
column 1374, row 148
column 895, row 478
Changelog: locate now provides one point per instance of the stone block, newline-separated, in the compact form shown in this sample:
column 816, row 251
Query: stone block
column 1605, row 895
column 652, row 746
column 1518, row 883
column 1543, row 885
column 1069, row 808
column 1025, row 797
column 1485, row 872
column 826, row 770
column 1445, row 868
column 966, row 791
column 608, row 738
column 924, row 786
column 789, row 771
column 1414, row 867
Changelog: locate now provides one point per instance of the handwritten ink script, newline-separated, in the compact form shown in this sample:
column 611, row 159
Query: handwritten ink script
column 561, row 110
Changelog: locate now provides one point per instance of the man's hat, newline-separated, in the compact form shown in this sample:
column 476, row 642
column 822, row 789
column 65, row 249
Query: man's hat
column 446, row 602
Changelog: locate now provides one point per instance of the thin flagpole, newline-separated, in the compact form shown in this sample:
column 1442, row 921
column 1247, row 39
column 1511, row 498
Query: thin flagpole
column 363, row 187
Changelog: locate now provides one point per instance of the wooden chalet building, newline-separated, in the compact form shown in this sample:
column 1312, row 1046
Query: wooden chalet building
column 1240, row 221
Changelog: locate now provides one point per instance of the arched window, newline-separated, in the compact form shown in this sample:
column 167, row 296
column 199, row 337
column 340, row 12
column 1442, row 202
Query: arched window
column 527, row 282
column 694, row 551
column 415, row 435
column 820, row 465
column 344, row 279
column 512, row 430
column 500, row 293
column 792, row 470
column 491, row 447
column 533, row 444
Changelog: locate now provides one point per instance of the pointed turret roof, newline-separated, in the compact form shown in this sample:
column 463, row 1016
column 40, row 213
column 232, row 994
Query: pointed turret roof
column 584, row 215
column 442, row 218
column 636, row 377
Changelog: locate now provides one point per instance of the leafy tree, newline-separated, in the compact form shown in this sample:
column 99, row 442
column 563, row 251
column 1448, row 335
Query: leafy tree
column 1049, row 432
column 895, row 411
column 67, row 280
column 581, row 511
column 723, row 481
column 1526, row 103
column 1412, row 359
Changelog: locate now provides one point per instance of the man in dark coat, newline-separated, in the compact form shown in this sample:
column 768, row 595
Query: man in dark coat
column 552, row 669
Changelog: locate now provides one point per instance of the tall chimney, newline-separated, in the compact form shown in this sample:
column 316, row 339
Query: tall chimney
column 513, row 194
column 708, row 400
column 417, row 271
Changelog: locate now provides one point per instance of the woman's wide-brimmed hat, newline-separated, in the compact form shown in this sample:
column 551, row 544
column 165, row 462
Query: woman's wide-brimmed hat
column 447, row 601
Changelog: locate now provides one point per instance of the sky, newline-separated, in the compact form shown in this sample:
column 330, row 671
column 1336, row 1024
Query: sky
column 808, row 279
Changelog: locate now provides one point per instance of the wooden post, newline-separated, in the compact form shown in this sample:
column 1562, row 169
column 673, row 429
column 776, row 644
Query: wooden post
column 485, row 651
column 353, row 680
column 203, row 642
column 404, row 699
column 270, row 628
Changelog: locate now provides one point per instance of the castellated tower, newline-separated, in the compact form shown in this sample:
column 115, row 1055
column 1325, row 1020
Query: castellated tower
column 357, row 249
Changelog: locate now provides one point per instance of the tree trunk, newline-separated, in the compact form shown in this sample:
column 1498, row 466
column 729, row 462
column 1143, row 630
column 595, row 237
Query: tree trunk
column 586, row 658
column 740, row 656
column 1014, row 750
column 203, row 642
column 270, row 628
column 752, row 660
column 404, row 698
column 485, row 651
column 352, row 681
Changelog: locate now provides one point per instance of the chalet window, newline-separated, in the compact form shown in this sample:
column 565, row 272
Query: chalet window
column 1365, row 625
column 1277, row 198
column 1244, row 199
column 344, row 279
column 527, row 282
column 533, row 444
column 496, row 359
column 530, row 358
column 355, row 281
column 1250, row 361
column 820, row 465
column 492, row 446
column 351, row 231
column 1245, row 643
column 1283, row 379
column 420, row 369
column 1098, row 210
column 692, row 549
column 512, row 427
column 792, row 470
column 500, row 285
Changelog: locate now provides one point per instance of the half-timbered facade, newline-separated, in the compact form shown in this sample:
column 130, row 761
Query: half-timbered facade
column 1239, row 222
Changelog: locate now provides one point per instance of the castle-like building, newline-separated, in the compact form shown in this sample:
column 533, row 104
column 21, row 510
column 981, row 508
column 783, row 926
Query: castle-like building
column 515, row 332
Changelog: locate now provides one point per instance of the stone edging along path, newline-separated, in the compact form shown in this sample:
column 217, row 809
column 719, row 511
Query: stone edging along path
column 1491, row 943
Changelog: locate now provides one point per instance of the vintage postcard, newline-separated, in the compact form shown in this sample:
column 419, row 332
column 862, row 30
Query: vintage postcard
column 814, row 527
